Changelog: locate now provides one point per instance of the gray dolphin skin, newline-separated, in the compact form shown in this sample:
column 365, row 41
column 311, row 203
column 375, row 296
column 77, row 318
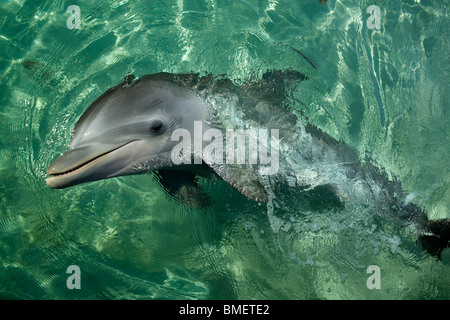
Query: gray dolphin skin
column 128, row 130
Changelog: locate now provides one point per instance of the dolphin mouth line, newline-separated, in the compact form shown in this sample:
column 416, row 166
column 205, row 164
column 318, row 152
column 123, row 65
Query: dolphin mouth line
column 87, row 163
column 80, row 166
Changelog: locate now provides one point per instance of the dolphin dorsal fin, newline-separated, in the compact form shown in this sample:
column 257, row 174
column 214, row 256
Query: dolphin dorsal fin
column 128, row 80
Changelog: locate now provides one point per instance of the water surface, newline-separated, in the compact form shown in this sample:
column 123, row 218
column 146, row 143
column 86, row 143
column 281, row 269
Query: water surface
column 384, row 92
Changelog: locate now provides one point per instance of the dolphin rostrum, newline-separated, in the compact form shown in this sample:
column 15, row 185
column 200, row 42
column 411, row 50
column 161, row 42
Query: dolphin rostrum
column 175, row 125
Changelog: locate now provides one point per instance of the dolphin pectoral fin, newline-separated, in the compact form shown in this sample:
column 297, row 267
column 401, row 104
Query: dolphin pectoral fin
column 437, row 236
column 182, row 186
column 193, row 196
column 244, row 178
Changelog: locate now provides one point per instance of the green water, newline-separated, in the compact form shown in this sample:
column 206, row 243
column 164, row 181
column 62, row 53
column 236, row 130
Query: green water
column 384, row 92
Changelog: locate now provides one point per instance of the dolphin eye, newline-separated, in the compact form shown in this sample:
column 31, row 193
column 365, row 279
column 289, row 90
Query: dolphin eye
column 157, row 127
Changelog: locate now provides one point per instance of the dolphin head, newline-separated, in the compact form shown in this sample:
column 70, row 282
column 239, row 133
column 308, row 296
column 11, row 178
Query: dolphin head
column 127, row 130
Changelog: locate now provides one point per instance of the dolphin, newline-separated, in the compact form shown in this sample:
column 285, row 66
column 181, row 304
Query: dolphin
column 126, row 131
column 130, row 129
